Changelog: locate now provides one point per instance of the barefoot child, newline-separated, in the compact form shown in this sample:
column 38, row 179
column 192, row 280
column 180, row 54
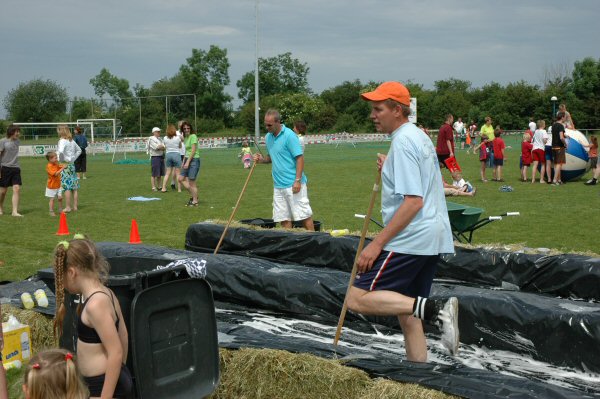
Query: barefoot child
column 53, row 374
column 526, row 148
column 53, row 184
column 102, row 336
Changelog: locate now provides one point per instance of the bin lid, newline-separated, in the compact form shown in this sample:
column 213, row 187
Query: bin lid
column 174, row 340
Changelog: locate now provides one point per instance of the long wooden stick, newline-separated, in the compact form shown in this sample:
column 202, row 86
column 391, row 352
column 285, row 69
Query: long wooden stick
column 235, row 208
column 361, row 244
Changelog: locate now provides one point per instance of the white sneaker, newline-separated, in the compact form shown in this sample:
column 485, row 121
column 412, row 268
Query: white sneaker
column 448, row 323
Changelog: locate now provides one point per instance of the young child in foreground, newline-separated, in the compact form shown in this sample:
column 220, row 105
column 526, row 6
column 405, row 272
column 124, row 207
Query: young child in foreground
column 53, row 184
column 459, row 183
column 53, row 374
column 102, row 336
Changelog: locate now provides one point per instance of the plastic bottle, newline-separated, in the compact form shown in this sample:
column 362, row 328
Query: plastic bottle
column 27, row 300
column 339, row 233
column 25, row 345
column 15, row 364
column 41, row 298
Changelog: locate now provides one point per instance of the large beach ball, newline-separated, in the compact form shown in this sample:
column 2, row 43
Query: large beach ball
column 578, row 161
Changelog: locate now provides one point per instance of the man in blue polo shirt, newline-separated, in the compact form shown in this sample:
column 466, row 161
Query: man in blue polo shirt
column 290, row 196
column 396, row 270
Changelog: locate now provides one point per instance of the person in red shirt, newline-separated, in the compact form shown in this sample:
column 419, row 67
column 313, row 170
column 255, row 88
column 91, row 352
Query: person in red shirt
column 445, row 141
column 53, row 184
column 526, row 157
column 499, row 147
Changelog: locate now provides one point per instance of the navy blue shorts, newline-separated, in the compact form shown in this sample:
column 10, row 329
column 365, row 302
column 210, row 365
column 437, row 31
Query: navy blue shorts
column 10, row 176
column 410, row 275
column 157, row 166
column 498, row 162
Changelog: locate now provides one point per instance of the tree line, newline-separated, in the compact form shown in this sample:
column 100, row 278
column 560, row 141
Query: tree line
column 283, row 84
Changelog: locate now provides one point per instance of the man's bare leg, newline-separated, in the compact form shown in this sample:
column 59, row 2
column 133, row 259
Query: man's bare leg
column 414, row 338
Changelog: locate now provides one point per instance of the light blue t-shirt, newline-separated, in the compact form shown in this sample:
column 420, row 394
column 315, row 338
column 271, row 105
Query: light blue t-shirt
column 283, row 150
column 411, row 168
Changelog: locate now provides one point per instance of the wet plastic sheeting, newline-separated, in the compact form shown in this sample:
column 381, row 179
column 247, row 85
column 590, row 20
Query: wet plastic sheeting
column 561, row 332
column 520, row 333
column 567, row 276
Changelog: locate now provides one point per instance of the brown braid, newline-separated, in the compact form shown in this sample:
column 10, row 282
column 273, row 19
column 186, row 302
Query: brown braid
column 85, row 257
column 60, row 266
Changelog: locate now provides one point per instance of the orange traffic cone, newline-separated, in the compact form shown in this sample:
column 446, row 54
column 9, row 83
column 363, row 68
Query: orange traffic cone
column 134, row 235
column 63, row 230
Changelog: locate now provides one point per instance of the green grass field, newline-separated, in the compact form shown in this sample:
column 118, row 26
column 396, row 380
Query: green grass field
column 340, row 183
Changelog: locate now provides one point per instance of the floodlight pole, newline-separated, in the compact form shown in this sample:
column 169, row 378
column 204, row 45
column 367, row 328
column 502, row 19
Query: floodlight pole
column 256, row 99
column 140, row 110
column 553, row 99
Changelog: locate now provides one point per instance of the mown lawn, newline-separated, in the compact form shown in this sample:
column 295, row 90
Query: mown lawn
column 340, row 183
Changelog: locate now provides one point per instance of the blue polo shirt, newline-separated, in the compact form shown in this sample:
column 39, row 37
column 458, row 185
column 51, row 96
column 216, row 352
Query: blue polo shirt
column 411, row 168
column 283, row 150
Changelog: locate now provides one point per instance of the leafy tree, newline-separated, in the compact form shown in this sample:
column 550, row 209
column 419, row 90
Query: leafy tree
column 206, row 73
column 281, row 74
column 36, row 101
column 107, row 83
column 291, row 106
column 586, row 88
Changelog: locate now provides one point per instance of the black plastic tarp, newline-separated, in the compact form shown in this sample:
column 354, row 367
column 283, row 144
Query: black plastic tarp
column 512, row 326
column 567, row 276
column 561, row 332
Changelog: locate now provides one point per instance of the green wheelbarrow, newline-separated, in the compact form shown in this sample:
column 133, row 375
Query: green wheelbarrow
column 465, row 219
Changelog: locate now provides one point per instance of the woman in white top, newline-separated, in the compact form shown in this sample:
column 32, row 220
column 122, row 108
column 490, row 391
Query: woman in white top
column 68, row 151
column 540, row 138
column 173, row 146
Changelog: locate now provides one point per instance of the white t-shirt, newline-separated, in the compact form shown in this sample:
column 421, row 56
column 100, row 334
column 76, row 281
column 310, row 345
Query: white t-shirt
column 458, row 127
column 180, row 135
column 68, row 150
column 532, row 126
column 539, row 138
column 172, row 144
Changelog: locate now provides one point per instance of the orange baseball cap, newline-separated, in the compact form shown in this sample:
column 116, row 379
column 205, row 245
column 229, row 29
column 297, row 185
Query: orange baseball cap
column 389, row 90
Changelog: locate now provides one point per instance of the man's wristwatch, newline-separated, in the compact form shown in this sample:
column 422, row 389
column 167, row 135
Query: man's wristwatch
column 298, row 180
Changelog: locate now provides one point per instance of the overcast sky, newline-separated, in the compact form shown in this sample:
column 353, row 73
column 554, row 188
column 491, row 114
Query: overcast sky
column 69, row 41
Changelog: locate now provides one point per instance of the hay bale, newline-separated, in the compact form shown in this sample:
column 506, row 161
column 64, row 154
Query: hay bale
column 268, row 373
column 42, row 334
column 383, row 388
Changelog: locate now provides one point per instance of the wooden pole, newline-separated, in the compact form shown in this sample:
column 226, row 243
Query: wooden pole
column 235, row 208
column 361, row 244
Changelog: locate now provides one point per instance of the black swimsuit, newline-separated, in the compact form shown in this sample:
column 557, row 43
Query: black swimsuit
column 87, row 334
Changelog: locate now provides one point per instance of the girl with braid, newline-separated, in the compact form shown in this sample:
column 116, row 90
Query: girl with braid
column 101, row 333
column 53, row 374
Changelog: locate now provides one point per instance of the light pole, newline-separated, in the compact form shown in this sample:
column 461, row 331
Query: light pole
column 553, row 99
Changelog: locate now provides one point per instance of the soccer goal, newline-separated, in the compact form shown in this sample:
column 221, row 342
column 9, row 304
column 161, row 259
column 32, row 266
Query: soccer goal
column 100, row 129
column 45, row 130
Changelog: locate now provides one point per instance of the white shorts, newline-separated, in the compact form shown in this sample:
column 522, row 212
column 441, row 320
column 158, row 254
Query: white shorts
column 289, row 206
column 53, row 192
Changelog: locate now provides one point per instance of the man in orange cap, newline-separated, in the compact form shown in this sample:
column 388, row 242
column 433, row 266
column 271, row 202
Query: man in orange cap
column 395, row 271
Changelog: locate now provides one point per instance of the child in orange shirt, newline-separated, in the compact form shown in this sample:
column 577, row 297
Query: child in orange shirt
column 53, row 185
